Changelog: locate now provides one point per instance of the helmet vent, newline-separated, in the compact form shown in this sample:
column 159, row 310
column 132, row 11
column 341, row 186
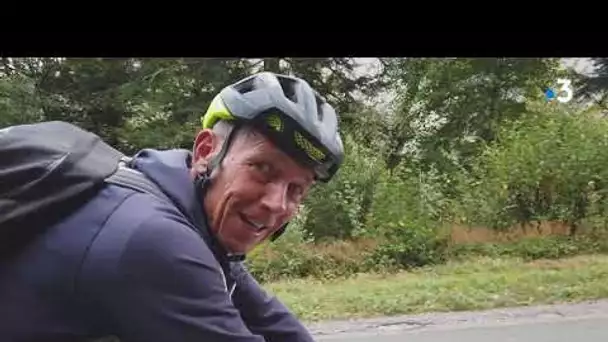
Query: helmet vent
column 288, row 89
column 319, row 108
column 245, row 86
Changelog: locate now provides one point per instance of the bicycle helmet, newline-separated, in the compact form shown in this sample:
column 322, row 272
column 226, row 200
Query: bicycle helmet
column 289, row 112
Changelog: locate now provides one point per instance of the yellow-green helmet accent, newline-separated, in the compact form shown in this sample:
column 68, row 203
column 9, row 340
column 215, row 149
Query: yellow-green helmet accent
column 216, row 111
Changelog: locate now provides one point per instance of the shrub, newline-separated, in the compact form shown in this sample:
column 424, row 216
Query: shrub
column 548, row 247
column 550, row 165
column 408, row 245
column 405, row 196
column 296, row 255
column 319, row 260
column 338, row 209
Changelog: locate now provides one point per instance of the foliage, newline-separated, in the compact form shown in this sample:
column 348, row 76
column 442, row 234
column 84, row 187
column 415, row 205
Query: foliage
column 18, row 101
column 409, row 245
column 338, row 209
column 550, row 165
column 140, row 102
column 445, row 109
column 171, row 97
column 407, row 194
column 295, row 255
column 595, row 86
column 547, row 247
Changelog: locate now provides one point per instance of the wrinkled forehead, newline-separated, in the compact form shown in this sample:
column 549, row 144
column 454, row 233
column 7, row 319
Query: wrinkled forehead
column 254, row 145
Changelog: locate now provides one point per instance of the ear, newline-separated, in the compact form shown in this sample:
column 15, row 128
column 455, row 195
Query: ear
column 204, row 146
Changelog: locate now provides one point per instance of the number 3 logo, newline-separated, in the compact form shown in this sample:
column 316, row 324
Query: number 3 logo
column 566, row 87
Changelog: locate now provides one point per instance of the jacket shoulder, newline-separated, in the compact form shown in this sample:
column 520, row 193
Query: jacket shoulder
column 143, row 225
column 154, row 277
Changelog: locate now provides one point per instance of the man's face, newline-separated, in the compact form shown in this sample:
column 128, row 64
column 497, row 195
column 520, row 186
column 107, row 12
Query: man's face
column 257, row 189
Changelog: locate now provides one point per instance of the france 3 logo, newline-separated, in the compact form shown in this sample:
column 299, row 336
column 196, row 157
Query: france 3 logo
column 562, row 93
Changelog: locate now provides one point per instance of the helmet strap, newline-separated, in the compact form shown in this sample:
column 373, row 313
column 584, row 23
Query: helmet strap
column 202, row 182
column 216, row 160
column 279, row 232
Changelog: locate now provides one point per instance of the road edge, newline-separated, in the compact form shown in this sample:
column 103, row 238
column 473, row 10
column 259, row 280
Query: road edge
column 440, row 320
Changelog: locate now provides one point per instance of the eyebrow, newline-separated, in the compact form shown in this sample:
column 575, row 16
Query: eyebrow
column 272, row 157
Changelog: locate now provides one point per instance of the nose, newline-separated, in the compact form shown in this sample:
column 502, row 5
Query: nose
column 275, row 197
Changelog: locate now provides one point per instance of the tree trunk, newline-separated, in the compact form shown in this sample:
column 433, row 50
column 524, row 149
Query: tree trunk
column 573, row 228
column 272, row 65
column 6, row 66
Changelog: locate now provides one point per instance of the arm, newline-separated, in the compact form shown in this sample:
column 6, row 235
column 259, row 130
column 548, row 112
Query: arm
column 264, row 314
column 159, row 282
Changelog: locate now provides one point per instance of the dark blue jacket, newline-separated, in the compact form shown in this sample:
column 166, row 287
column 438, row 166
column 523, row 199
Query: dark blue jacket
column 130, row 265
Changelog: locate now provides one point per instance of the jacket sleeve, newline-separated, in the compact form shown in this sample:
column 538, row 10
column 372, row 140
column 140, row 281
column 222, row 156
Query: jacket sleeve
column 264, row 314
column 158, row 282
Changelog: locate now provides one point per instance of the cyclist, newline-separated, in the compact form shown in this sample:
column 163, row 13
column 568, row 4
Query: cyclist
column 141, row 268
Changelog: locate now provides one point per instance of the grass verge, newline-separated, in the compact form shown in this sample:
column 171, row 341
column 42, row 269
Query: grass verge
column 482, row 283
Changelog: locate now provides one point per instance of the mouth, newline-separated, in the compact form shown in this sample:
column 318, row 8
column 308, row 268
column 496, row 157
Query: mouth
column 257, row 227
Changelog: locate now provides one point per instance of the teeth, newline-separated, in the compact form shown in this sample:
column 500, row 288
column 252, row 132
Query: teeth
column 257, row 225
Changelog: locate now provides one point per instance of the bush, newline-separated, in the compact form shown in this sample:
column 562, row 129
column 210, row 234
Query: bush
column 405, row 217
column 549, row 247
column 338, row 209
column 405, row 197
column 18, row 101
column 296, row 255
column 319, row 260
column 408, row 245
column 550, row 165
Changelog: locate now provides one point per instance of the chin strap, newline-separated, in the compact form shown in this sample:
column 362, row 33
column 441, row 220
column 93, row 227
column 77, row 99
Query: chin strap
column 279, row 232
column 202, row 183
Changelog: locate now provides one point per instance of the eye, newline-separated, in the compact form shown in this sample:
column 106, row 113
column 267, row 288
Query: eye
column 261, row 167
column 296, row 191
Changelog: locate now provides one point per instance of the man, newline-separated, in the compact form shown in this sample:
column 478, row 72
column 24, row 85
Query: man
column 152, row 269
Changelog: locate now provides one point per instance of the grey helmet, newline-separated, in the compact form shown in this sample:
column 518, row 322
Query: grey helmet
column 287, row 110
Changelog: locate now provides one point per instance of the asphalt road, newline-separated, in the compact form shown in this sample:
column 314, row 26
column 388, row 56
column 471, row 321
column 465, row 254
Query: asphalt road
column 586, row 322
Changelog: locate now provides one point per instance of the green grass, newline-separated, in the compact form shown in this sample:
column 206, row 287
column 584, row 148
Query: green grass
column 478, row 284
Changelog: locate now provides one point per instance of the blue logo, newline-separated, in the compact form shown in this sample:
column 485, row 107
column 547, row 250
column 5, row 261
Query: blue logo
column 565, row 93
column 549, row 95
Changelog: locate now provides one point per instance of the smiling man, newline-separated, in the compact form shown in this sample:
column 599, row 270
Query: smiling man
column 256, row 193
column 169, row 268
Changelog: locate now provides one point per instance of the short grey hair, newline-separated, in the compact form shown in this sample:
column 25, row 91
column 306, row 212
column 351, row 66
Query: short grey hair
column 222, row 128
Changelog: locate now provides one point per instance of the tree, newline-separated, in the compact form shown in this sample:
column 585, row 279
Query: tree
column 447, row 109
column 595, row 86
column 130, row 103
column 171, row 96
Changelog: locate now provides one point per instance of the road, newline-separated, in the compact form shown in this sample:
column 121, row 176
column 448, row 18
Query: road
column 586, row 322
